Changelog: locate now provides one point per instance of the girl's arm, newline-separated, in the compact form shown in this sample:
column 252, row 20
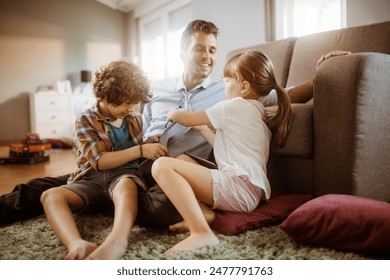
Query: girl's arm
column 206, row 132
column 188, row 118
column 198, row 120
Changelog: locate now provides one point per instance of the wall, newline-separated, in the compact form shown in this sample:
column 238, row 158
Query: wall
column 361, row 12
column 42, row 41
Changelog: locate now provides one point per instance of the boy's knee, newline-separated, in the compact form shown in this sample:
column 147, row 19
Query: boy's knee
column 48, row 195
column 125, row 185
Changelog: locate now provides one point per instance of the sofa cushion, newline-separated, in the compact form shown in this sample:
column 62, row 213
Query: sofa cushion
column 342, row 222
column 308, row 49
column 269, row 213
column 300, row 138
column 279, row 52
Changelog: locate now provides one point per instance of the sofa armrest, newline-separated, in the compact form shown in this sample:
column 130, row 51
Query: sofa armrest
column 351, row 119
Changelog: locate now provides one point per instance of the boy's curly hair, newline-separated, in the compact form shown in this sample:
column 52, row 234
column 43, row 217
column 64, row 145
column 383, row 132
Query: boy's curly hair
column 120, row 82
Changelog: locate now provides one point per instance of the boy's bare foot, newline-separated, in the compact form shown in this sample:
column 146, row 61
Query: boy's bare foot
column 194, row 241
column 79, row 249
column 111, row 249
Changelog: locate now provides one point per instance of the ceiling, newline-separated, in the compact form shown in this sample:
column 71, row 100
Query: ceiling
column 121, row 5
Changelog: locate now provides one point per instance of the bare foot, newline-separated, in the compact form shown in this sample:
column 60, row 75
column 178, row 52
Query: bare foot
column 182, row 226
column 79, row 249
column 179, row 227
column 194, row 241
column 111, row 249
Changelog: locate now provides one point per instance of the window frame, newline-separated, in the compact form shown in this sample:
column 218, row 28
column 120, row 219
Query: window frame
column 161, row 14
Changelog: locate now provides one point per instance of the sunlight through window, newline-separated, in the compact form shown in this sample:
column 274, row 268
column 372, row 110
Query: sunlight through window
column 294, row 18
column 160, row 41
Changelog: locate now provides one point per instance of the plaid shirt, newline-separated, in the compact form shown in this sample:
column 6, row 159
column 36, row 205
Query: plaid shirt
column 92, row 139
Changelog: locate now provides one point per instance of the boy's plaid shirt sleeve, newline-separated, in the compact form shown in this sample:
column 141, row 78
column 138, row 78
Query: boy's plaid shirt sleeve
column 91, row 141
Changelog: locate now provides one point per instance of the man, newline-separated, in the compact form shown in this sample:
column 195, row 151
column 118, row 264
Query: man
column 193, row 91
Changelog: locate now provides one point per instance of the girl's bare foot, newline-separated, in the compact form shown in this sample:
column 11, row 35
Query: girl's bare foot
column 79, row 249
column 182, row 226
column 111, row 249
column 179, row 227
column 194, row 241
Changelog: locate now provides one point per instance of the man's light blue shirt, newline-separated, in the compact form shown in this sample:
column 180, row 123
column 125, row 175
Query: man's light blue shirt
column 171, row 93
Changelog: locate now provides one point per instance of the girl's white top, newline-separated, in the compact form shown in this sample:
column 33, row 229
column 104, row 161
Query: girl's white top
column 242, row 139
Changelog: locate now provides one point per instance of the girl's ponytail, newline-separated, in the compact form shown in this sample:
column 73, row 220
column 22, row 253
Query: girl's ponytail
column 280, row 122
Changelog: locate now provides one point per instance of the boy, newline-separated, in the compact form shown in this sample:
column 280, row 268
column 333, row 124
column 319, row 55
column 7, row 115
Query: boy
column 109, row 141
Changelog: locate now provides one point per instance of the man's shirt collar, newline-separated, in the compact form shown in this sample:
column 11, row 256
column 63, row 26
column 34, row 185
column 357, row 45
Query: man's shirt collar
column 181, row 86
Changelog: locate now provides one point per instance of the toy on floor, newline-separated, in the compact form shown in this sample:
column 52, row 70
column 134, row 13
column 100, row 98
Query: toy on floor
column 31, row 150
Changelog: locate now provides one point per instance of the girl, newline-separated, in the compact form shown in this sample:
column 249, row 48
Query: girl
column 241, row 147
column 109, row 144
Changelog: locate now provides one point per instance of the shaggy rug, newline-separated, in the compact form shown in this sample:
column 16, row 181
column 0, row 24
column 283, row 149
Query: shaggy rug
column 34, row 240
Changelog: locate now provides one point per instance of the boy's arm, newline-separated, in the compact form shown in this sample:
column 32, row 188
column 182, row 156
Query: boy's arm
column 111, row 160
column 114, row 159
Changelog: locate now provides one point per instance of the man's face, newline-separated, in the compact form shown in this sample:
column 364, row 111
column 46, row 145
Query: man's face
column 199, row 57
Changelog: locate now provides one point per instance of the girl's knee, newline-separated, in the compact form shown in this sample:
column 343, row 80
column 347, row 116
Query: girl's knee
column 160, row 164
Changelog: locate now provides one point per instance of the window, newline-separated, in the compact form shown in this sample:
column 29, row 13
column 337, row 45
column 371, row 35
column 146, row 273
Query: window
column 160, row 35
column 294, row 18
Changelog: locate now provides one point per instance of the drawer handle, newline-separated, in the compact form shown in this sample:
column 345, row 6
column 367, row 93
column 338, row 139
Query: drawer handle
column 52, row 102
column 53, row 117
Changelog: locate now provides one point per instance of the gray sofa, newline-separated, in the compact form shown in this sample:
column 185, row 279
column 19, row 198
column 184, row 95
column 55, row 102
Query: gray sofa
column 340, row 140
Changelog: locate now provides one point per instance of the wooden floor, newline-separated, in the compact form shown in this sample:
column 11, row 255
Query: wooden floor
column 61, row 162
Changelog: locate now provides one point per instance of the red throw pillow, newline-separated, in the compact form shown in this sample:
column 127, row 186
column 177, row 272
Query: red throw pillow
column 269, row 213
column 342, row 222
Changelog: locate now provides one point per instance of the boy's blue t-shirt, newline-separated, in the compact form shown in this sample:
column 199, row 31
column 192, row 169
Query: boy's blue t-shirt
column 120, row 139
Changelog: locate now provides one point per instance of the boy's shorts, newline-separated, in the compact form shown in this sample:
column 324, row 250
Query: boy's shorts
column 96, row 187
column 234, row 193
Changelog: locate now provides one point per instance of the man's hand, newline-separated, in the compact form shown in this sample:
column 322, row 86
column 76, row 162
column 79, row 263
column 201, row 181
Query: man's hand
column 329, row 55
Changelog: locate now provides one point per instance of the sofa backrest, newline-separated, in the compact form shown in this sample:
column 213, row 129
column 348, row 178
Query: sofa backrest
column 309, row 48
column 280, row 53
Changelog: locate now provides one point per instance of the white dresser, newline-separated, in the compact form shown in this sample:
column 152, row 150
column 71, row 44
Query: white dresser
column 53, row 115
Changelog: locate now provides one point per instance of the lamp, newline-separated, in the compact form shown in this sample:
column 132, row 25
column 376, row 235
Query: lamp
column 86, row 78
